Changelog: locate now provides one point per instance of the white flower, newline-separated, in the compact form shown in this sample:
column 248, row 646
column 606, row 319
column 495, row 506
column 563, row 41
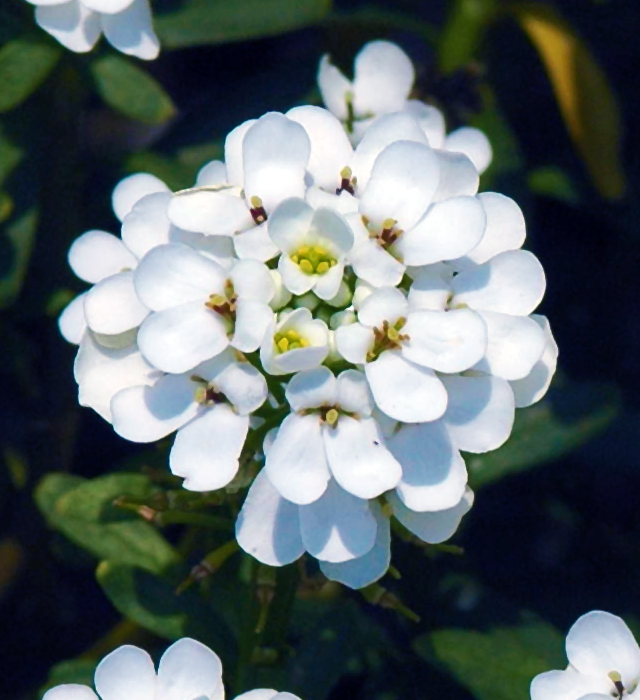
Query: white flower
column 188, row 670
column 604, row 661
column 330, row 433
column 78, row 24
column 199, row 307
column 209, row 408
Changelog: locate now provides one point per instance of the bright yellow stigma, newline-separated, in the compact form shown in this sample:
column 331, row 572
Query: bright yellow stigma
column 332, row 416
column 313, row 260
column 289, row 340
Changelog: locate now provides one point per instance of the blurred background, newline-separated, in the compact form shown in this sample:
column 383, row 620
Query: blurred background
column 555, row 530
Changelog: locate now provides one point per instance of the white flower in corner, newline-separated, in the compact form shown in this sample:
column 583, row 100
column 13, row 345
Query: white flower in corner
column 604, row 662
column 78, row 24
column 188, row 670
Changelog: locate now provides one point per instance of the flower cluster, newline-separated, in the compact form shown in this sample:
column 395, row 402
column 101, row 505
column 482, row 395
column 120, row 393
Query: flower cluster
column 78, row 24
column 604, row 662
column 188, row 670
column 329, row 316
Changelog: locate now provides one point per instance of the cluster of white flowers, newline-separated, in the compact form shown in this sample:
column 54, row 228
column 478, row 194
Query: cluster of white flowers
column 188, row 670
column 604, row 662
column 78, row 24
column 334, row 308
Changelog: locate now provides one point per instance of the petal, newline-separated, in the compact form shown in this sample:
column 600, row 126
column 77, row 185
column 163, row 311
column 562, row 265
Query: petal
column 510, row 283
column 352, row 393
column 472, row 143
column 568, row 685
column 447, row 341
column 268, row 526
column 233, row 146
column 535, row 385
column 71, row 23
column 333, row 87
column 354, row 342
column 70, row 691
column 206, row 452
column 217, row 248
column 311, row 389
column 275, row 153
column 108, row 6
column 337, row 527
column 188, row 670
column 253, row 319
column 301, row 358
column 252, row 281
column 176, row 340
column 293, row 278
column 480, row 412
column 98, row 254
column 71, row 322
column 290, row 223
column 255, row 243
column 457, row 176
column 403, row 181
column 333, row 230
column 599, row 643
column 131, row 31
column 448, row 230
column 112, row 306
column 515, row 344
column 126, row 674
column 434, row 475
column 328, row 286
column 296, row 464
column 147, row 226
column 132, row 189
column 212, row 174
column 384, row 304
column 343, row 203
column 148, row 413
column 214, row 211
column 259, row 693
column 432, row 527
column 358, row 457
column 431, row 121
column 175, row 274
column 374, row 265
column 383, row 77
column 429, row 291
column 405, row 391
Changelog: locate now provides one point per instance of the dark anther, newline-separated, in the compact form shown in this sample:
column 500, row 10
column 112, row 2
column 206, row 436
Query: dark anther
column 257, row 210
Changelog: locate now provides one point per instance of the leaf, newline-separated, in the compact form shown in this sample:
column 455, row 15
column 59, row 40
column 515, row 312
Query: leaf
column 52, row 487
column 497, row 664
column 24, row 66
column 463, row 33
column 78, row 671
column 131, row 91
column 15, row 251
column 151, row 602
column 540, row 435
column 219, row 21
column 10, row 156
column 585, row 99
column 553, row 182
column 86, row 515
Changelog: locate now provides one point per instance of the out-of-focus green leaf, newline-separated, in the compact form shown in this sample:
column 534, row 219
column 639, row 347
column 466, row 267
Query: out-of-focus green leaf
column 540, row 436
column 10, row 156
column 152, row 602
column 218, row 21
column 497, row 664
column 463, row 32
column 86, row 515
column 50, row 489
column 553, row 182
column 16, row 250
column 131, row 91
column 24, row 65
column 6, row 206
column 585, row 99
column 78, row 671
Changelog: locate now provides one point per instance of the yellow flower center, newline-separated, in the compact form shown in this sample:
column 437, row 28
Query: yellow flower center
column 289, row 340
column 313, row 259
column 387, row 338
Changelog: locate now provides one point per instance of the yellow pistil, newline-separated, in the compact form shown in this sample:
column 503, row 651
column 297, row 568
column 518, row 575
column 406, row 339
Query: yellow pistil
column 387, row 338
column 313, row 259
column 289, row 340
column 332, row 416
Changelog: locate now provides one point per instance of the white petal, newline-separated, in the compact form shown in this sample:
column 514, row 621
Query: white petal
column 569, row 685
column 338, row 526
column 343, row 203
column 289, row 224
column 510, row 283
column 432, row 527
column 147, row 225
column 112, row 306
column 354, row 342
column 217, row 248
column 214, row 212
column 448, row 230
column 259, row 693
column 358, row 457
column 126, row 674
column 515, row 344
column 296, row 464
column 333, row 87
column 405, row 391
column 70, row 691
column 333, row 231
column 252, row 281
column 148, row 413
column 384, row 304
column 107, row 6
column 434, row 475
column 429, row 291
column 71, row 322
column 534, row 386
column 132, row 189
column 352, row 393
column 188, row 669
column 480, row 412
column 383, row 77
column 458, row 176
column 473, row 143
column 233, row 146
column 293, row 278
column 240, row 382
column 253, row 319
column 255, row 244
column 431, row 121
column 403, row 181
column 599, row 643
column 131, row 31
column 328, row 286
column 374, row 265
column 176, row 340
column 212, row 174
column 207, row 450
column 72, row 24
column 311, row 389
column 98, row 254
column 268, row 526
column 275, row 153
column 174, row 274
column 447, row 341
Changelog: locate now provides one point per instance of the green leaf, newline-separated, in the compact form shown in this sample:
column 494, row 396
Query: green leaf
column 78, row 671
column 24, row 65
column 52, row 487
column 86, row 515
column 497, row 664
column 131, row 91
column 218, row 21
column 553, row 182
column 10, row 156
column 16, row 246
column 152, row 602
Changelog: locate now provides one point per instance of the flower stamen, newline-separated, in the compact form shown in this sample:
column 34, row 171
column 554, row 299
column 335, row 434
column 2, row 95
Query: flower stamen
column 257, row 210
column 387, row 338
column 348, row 182
column 289, row 340
column 313, row 260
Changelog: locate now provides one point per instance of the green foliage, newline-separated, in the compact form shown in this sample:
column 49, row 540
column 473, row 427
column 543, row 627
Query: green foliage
column 78, row 671
column 131, row 91
column 553, row 182
column 20, row 235
column 216, row 21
